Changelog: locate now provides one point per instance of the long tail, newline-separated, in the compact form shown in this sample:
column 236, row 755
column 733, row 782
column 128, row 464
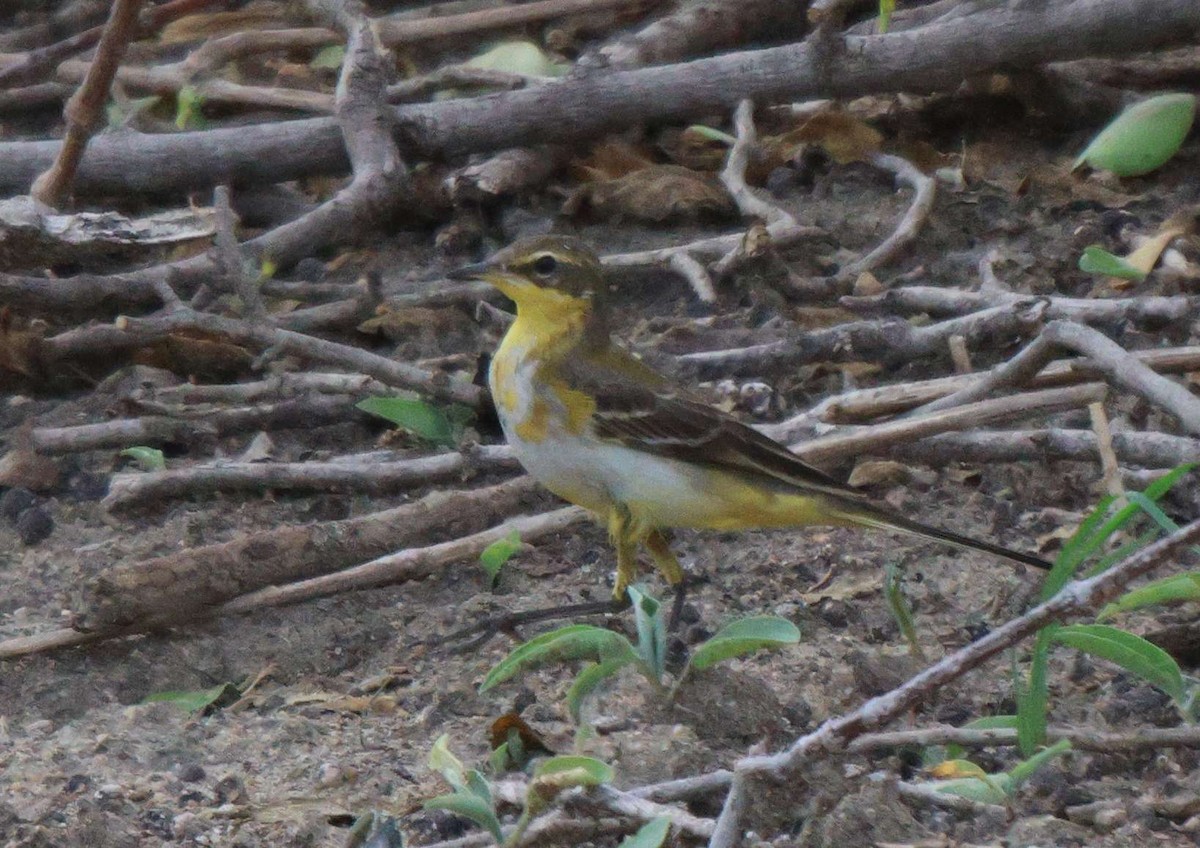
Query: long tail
column 887, row 520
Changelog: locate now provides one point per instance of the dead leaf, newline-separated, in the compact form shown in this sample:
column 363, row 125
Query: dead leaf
column 260, row 15
column 192, row 354
column 26, row 469
column 20, row 348
column 694, row 149
column 610, row 159
column 655, row 195
column 845, row 138
column 867, row 284
column 879, row 471
column 509, row 725
column 844, row 591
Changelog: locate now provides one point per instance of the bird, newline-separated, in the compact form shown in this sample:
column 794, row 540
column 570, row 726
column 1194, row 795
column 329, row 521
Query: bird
column 598, row 427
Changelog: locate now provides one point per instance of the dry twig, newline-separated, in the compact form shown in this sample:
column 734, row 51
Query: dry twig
column 85, row 109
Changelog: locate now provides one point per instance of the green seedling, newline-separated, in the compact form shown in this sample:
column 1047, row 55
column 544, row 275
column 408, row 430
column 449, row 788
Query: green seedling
column 149, row 459
column 202, row 701
column 1127, row 650
column 472, row 796
column 608, row 653
column 897, row 601
column 972, row 782
column 496, row 554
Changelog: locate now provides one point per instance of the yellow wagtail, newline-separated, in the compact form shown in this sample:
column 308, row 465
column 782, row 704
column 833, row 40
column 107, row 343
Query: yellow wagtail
column 599, row 428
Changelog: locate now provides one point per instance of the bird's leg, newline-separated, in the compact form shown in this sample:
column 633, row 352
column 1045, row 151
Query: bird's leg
column 668, row 565
column 619, row 531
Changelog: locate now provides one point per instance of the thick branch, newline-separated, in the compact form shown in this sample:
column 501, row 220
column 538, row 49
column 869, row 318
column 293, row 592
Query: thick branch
column 935, row 56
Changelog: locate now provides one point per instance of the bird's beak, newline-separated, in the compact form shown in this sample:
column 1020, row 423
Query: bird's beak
column 475, row 271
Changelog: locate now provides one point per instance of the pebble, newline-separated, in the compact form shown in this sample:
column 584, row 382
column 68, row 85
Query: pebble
column 15, row 501
column 34, row 525
column 191, row 772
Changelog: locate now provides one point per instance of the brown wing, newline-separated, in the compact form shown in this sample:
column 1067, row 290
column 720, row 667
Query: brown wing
column 636, row 407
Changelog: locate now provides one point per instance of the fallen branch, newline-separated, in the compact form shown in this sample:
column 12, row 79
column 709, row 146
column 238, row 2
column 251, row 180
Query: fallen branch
column 1138, row 449
column 924, row 193
column 1081, row 739
column 1147, row 310
column 192, row 581
column 938, row 55
column 865, row 404
column 882, row 437
column 344, row 474
column 85, row 109
column 889, row 340
column 389, row 371
column 1121, row 368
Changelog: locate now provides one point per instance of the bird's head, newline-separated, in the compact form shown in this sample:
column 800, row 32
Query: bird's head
column 542, row 272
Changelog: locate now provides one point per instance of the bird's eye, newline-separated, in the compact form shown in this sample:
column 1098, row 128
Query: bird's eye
column 545, row 265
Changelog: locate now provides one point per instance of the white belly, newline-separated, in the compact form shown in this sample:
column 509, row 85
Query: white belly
column 595, row 474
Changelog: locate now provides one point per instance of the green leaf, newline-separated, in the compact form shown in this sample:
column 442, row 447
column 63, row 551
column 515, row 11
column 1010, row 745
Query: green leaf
column 1132, row 653
column 499, row 552
column 996, row 722
column 443, row 761
column 515, row 57
column 330, row 57
column 982, row 788
column 650, row 835
column 221, row 695
column 573, row 642
column 188, row 104
column 1098, row 527
column 587, row 680
column 568, row 770
column 743, row 637
column 652, row 631
column 557, row 775
column 1097, row 260
column 416, row 416
column 1033, row 701
column 1143, row 137
column 1153, row 510
column 893, row 591
column 150, row 459
column 712, row 134
column 1025, row 769
column 469, row 806
column 1175, row 589
column 886, row 8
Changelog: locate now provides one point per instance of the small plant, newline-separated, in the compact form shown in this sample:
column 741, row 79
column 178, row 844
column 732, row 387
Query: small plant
column 1131, row 652
column 967, row 780
column 188, row 105
column 897, row 601
column 610, row 652
column 472, row 795
column 423, row 420
column 149, row 459
column 496, row 554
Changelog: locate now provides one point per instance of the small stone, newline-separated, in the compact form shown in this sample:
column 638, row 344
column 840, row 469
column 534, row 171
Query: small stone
column 329, row 775
column 187, row 825
column 191, row 773
column 230, row 789
column 34, row 525
column 15, row 501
